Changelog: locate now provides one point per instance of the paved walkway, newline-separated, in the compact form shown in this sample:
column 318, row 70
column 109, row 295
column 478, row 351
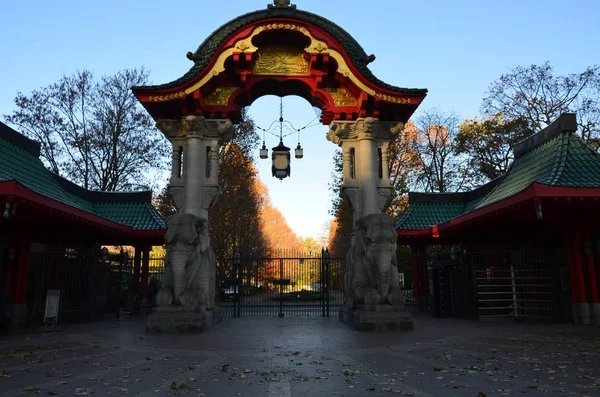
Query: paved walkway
column 304, row 357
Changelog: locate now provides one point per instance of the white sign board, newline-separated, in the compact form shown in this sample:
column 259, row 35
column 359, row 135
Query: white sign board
column 52, row 304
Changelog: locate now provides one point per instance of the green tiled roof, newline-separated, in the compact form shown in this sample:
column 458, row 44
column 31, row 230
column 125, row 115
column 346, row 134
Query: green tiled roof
column 140, row 216
column 19, row 161
column 555, row 156
column 18, row 164
column 207, row 49
column 423, row 215
column 564, row 160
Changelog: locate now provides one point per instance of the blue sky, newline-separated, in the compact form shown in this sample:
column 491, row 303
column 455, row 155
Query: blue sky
column 453, row 48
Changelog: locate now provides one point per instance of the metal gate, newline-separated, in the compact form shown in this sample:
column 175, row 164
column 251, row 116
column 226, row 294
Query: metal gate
column 91, row 286
column 282, row 283
column 521, row 284
column 450, row 287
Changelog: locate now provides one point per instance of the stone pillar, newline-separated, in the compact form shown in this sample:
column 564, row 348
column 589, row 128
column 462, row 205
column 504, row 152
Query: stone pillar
column 374, row 300
column 361, row 141
column 197, row 190
column 193, row 175
column 347, row 164
column 385, row 162
column 213, row 175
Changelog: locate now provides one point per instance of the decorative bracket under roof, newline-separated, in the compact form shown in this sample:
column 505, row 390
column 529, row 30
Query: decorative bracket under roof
column 281, row 4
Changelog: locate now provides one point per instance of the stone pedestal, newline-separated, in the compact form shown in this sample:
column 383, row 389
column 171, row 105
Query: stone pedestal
column 182, row 320
column 385, row 318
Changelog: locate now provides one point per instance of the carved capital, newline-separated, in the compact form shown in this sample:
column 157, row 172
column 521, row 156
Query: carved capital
column 351, row 194
column 366, row 128
column 339, row 131
column 363, row 128
column 210, row 194
column 176, row 193
column 198, row 126
column 169, row 127
column 384, row 197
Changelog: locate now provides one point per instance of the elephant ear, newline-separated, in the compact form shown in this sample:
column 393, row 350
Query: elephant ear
column 365, row 227
column 171, row 230
column 201, row 226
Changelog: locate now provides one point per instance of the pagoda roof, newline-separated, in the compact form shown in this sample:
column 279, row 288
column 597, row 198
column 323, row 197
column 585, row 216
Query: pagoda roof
column 21, row 168
column 202, row 56
column 554, row 157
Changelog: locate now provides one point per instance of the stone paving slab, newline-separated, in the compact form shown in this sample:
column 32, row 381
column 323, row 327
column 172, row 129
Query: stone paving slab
column 287, row 357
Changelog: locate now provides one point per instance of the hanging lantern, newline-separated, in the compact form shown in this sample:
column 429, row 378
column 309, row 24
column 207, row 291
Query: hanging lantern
column 264, row 152
column 281, row 161
column 299, row 151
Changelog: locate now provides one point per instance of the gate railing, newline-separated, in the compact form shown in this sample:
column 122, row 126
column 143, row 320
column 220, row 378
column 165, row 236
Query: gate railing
column 280, row 283
column 518, row 284
column 92, row 285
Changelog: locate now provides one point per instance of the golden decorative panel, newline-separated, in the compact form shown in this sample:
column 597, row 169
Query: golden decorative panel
column 245, row 45
column 342, row 97
column 164, row 98
column 220, row 96
column 280, row 59
column 387, row 98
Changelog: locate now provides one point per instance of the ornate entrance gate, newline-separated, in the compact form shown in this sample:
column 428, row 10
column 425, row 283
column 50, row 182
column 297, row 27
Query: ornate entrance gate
column 278, row 51
column 282, row 283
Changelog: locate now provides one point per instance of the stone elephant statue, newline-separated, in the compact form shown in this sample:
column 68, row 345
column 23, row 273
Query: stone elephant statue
column 189, row 264
column 371, row 274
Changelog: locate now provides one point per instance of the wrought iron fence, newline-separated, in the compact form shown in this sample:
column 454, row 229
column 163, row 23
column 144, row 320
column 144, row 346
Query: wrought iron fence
column 520, row 284
column 280, row 283
column 91, row 286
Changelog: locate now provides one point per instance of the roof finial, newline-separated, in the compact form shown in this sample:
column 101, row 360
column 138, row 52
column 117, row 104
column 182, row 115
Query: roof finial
column 281, row 4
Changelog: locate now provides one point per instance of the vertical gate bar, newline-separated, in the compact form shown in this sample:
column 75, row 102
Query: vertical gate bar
column 327, row 279
column 321, row 293
column 120, row 286
column 236, row 285
column 280, row 288
column 91, row 281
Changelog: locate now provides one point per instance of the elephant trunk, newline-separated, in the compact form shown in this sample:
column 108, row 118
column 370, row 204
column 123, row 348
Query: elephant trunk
column 382, row 255
column 178, row 261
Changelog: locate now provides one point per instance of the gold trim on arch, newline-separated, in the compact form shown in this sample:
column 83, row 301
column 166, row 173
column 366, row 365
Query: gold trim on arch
column 245, row 45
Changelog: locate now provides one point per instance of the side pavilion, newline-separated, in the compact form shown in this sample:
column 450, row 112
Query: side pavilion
column 526, row 245
column 51, row 230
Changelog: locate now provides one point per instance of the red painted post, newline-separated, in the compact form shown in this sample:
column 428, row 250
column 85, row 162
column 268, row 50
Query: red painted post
column 580, row 280
column 416, row 285
column 571, row 262
column 21, row 272
column 145, row 271
column 10, row 276
column 592, row 279
column 135, row 288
